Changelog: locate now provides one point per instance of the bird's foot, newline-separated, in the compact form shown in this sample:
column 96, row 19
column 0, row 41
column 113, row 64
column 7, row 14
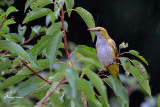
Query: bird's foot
column 111, row 62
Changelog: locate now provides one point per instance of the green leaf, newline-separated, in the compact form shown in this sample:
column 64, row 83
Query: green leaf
column 10, row 10
column 40, row 3
column 5, row 63
column 123, row 45
column 69, row 5
column 135, row 53
column 97, row 83
column 118, row 89
column 27, row 87
column 8, row 22
column 36, row 13
column 15, row 48
column 135, row 72
column 72, row 78
column 13, row 37
column 58, row 4
column 52, row 47
column 88, row 18
column 94, row 103
column 11, row 81
column 86, row 88
column 53, row 28
column 141, row 68
column 158, row 101
column 21, row 32
column 28, row 3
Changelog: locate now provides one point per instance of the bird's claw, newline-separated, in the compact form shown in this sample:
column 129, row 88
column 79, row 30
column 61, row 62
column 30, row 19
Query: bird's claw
column 111, row 62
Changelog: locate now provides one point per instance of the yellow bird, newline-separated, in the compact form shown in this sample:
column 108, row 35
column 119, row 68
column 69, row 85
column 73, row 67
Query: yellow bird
column 106, row 50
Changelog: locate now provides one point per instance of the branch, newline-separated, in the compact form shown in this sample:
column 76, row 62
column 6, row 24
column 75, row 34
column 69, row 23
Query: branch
column 65, row 37
column 25, row 64
column 54, row 89
column 84, row 99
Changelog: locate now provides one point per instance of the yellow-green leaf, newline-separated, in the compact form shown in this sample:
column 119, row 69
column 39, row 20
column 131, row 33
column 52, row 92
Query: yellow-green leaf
column 39, row 4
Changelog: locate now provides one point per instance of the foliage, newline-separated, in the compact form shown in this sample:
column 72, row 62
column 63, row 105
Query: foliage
column 62, row 81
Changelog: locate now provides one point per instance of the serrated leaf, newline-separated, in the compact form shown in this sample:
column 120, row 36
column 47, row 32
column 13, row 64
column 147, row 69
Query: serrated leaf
column 135, row 53
column 5, row 63
column 39, row 4
column 10, row 10
column 13, row 37
column 11, row 81
column 58, row 4
column 86, row 88
column 15, row 48
column 53, row 28
column 88, row 18
column 52, row 47
column 8, row 22
column 97, row 83
column 69, row 5
column 28, row 3
column 94, row 103
column 135, row 72
column 141, row 68
column 36, row 13
column 118, row 89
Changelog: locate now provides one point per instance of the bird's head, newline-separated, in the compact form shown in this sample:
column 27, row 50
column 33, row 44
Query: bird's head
column 100, row 32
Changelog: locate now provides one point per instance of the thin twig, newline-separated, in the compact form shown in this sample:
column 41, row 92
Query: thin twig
column 83, row 99
column 65, row 37
column 49, row 93
column 25, row 64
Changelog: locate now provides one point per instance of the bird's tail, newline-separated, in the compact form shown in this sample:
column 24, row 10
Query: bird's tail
column 114, row 70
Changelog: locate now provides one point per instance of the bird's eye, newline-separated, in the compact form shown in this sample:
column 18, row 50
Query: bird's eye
column 98, row 30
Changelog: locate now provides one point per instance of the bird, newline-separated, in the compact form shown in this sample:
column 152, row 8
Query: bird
column 106, row 50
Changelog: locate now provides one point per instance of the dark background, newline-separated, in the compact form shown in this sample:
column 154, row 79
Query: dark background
column 134, row 21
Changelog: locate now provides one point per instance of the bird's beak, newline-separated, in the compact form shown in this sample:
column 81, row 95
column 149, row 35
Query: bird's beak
column 91, row 30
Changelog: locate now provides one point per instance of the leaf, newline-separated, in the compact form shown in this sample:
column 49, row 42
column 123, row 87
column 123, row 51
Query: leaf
column 58, row 4
column 118, row 89
column 135, row 72
column 28, row 3
column 13, row 37
column 94, row 103
column 8, row 22
column 72, row 78
column 135, row 53
column 36, row 13
column 97, row 83
column 86, row 88
column 141, row 68
column 52, row 47
column 88, row 18
column 27, row 87
column 53, row 28
column 39, row 4
column 123, row 45
column 158, row 101
column 5, row 63
column 11, row 81
column 69, row 5
column 15, row 48
column 10, row 10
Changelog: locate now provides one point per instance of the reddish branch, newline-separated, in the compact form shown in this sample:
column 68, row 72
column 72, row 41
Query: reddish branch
column 25, row 64
column 64, row 34
column 84, row 99
column 54, row 89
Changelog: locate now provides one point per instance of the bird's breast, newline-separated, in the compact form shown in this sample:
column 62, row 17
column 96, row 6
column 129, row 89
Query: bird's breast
column 104, row 51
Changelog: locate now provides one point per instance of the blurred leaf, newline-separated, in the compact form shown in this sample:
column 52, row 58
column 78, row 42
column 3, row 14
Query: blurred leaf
column 158, row 101
column 15, row 48
column 94, row 103
column 5, row 63
column 52, row 47
column 11, row 81
column 123, row 45
column 36, row 13
column 13, row 37
column 88, row 18
column 10, row 10
column 135, row 53
column 69, row 5
column 58, row 4
column 118, row 89
column 86, row 88
column 97, row 83
column 135, row 72
column 36, row 29
column 2, row 79
column 21, row 32
column 8, row 22
column 27, row 87
column 39, row 4
column 28, row 3
column 141, row 68
column 72, row 78
column 53, row 28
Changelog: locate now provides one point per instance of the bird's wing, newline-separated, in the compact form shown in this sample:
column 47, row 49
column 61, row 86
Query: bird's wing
column 114, row 47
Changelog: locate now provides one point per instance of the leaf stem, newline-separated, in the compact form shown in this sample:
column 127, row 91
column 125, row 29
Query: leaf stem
column 25, row 64
column 49, row 93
